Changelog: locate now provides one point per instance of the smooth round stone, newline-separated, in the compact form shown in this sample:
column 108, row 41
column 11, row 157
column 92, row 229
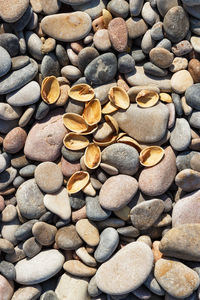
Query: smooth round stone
column 67, row 238
column 109, row 240
column 34, row 270
column 19, row 62
column 24, row 20
column 86, row 257
column 87, row 54
column 8, row 231
column 27, row 293
column 161, row 57
column 34, row 45
column 2, row 163
column 191, row 96
column 180, row 81
column 14, row 141
column 138, row 55
column 126, row 63
column 71, row 156
column 88, row 231
column 118, row 8
column 93, row 9
column 9, row 213
column 178, row 64
column 194, row 119
column 27, row 171
column 77, row 200
column 115, row 199
column 157, row 31
column 164, row 43
column 145, row 125
column 184, row 279
column 7, row 177
column 154, row 70
column 137, row 260
column 10, row 43
column 94, row 211
column 6, row 246
column 24, row 231
column 163, row 6
column 102, row 40
column 30, row 200
column 194, row 162
column 45, row 138
column 194, row 69
column 50, row 65
column 183, row 160
column 101, row 69
column 61, row 26
column 17, row 79
column 31, row 247
column 144, row 214
column 195, row 41
column 59, row 204
column 8, row 270
column 147, row 43
column 48, row 177
column 77, row 268
column 118, row 33
column 6, row 288
column 5, row 61
column 149, row 14
column 50, row 7
column 176, row 24
column 156, row 180
column 8, row 112
column 121, row 156
column 188, row 180
column 61, row 55
column 181, row 135
column 71, row 72
column 135, row 7
column 182, row 48
column 11, row 11
column 152, row 284
column 44, row 233
column 136, row 27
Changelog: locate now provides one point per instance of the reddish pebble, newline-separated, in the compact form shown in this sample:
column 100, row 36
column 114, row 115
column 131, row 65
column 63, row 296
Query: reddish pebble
column 68, row 169
column 79, row 214
column 118, row 33
column 15, row 140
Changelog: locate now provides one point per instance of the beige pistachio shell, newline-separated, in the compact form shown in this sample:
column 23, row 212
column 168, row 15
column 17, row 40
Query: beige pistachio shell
column 92, row 112
column 119, row 97
column 75, row 141
column 77, row 182
column 164, row 97
column 50, row 90
column 121, row 134
column 147, row 98
column 107, row 17
column 74, row 122
column 92, row 157
column 109, row 108
column 81, row 92
column 91, row 129
column 106, row 142
column 112, row 122
column 151, row 155
column 130, row 141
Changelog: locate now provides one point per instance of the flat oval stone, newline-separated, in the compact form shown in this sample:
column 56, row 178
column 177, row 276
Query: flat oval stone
column 6, row 288
column 10, row 43
column 191, row 96
column 188, row 180
column 19, row 62
column 34, row 270
column 109, row 240
column 94, row 210
column 11, row 11
column 88, row 231
column 17, row 79
column 115, row 199
column 121, row 156
column 30, row 200
column 67, row 27
column 102, row 69
column 137, row 261
column 180, row 81
column 44, row 233
column 181, row 135
column 24, row 231
column 176, row 24
column 34, row 45
column 14, row 141
column 184, row 279
column 67, row 238
column 77, row 268
column 27, row 292
column 145, row 125
column 8, row 112
column 45, row 138
column 156, row 180
column 161, row 57
column 154, row 70
column 5, row 61
column 118, row 33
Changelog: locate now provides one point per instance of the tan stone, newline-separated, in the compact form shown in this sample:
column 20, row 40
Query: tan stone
column 88, row 232
column 77, row 268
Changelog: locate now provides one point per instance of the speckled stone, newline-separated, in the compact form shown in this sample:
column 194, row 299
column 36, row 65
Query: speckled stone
column 14, row 141
column 161, row 57
column 12, row 11
column 118, row 33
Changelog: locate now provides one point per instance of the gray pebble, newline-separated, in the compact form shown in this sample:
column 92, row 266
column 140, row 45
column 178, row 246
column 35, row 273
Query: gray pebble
column 24, row 231
column 147, row 42
column 71, row 156
column 94, row 211
column 128, row 231
column 183, row 160
column 135, row 7
column 142, row 293
column 101, row 91
column 93, row 9
column 194, row 119
column 74, row 106
column 26, row 117
column 5, row 62
column 50, row 65
column 27, row 171
column 177, row 103
column 165, row 43
column 192, row 97
column 152, row 284
column 85, row 56
column 34, row 45
column 71, row 72
column 42, row 111
column 18, row 181
column 154, row 70
column 180, row 135
column 110, row 222
column 118, row 8
column 61, row 55
column 10, row 43
column 138, row 55
column 49, row 295
column 149, row 14
column 157, row 31
column 19, row 62
column 31, row 247
column 77, row 200
column 126, row 63
column 7, row 270
column 24, row 20
column 163, row 6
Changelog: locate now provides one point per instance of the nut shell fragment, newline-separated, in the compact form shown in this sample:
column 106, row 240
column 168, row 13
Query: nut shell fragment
column 112, row 122
column 164, row 97
column 75, row 141
column 74, row 122
column 77, row 182
column 151, row 155
column 130, row 141
column 109, row 108
column 119, row 97
column 92, row 157
column 81, row 92
column 91, row 129
column 107, row 17
column 147, row 98
column 50, row 90
column 92, row 112
column 106, row 142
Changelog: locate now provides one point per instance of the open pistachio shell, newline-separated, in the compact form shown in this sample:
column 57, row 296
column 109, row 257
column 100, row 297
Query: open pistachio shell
column 147, row 98
column 75, row 141
column 81, row 92
column 109, row 108
column 90, row 130
column 92, row 157
column 130, row 141
column 112, row 122
column 106, row 142
column 151, row 155
column 50, row 89
column 77, row 182
column 164, row 97
column 74, row 122
column 92, row 112
column 107, row 17
column 119, row 97
column 121, row 134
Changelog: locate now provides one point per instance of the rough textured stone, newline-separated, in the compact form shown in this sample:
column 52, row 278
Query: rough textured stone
column 118, row 34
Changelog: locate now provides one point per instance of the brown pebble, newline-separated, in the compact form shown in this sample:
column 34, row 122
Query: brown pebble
column 98, row 24
column 2, row 203
column 15, row 140
column 76, row 47
column 79, row 214
column 194, row 69
column 118, row 33
column 156, row 252
column 68, row 169
column 161, row 57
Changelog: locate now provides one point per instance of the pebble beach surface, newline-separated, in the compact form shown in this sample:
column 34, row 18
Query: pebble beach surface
column 99, row 149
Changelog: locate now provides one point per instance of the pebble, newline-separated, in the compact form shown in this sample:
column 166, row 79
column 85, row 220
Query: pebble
column 116, row 199
column 64, row 24
column 94, row 210
column 77, row 268
column 72, row 73
column 149, row 15
column 157, row 31
column 24, row 231
column 5, row 61
column 138, row 55
column 101, row 40
column 30, row 200
column 6, row 288
column 161, row 57
column 27, row 292
column 118, row 34
column 156, row 180
column 180, row 81
column 152, row 284
column 137, row 261
column 191, row 96
column 67, row 238
column 31, row 247
column 184, row 279
column 164, row 43
column 109, row 240
column 147, row 43
column 194, row 162
column 164, row 6
column 10, row 43
column 194, row 69
column 118, row 8
column 6, row 246
column 27, row 171
column 19, row 161
column 152, row 69
column 51, row 7
column 14, row 141
column 88, row 231
column 181, row 135
column 136, row 27
column 48, row 177
column 50, row 65
column 195, row 41
column 44, row 233
column 17, row 255
column 182, row 48
column 34, row 45
column 49, row 295
column 188, row 180
column 8, row 231
column 94, row 10
column 12, row 11
column 9, row 213
column 178, row 64
column 126, row 63
column 135, row 7
column 34, row 270
column 77, row 200
column 7, row 270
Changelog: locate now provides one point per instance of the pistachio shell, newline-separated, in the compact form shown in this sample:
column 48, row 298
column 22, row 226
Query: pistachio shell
column 147, row 98
column 121, row 134
column 90, row 129
column 92, row 157
column 130, row 141
column 109, row 108
column 75, row 141
column 107, row 17
column 81, row 92
column 151, row 155
column 112, row 122
column 92, row 112
column 119, row 97
column 50, row 89
column 77, row 182
column 164, row 97
column 107, row 142
column 74, row 122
